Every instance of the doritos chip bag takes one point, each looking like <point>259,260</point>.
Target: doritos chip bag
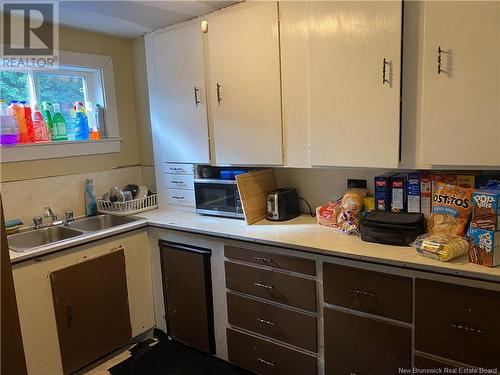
<point>451,208</point>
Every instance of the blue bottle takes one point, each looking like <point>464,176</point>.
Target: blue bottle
<point>82,131</point>
<point>90,201</point>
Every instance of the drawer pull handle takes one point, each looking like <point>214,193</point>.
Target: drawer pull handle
<point>466,328</point>
<point>267,363</point>
<point>175,182</point>
<point>262,259</point>
<point>265,286</point>
<point>178,198</point>
<point>268,322</point>
<point>362,292</point>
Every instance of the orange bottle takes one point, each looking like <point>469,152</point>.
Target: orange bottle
<point>18,113</point>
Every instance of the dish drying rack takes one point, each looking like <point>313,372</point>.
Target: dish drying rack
<point>130,207</point>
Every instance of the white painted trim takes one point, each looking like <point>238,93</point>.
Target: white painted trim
<point>37,151</point>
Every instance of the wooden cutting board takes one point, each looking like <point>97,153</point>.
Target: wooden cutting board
<point>253,188</point>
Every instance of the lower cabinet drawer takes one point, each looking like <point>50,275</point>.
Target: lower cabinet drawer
<point>361,345</point>
<point>275,286</point>
<point>180,197</point>
<point>267,358</point>
<point>279,323</point>
<point>369,291</point>
<point>458,322</point>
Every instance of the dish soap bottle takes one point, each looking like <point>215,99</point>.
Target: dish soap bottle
<point>59,125</point>
<point>90,201</point>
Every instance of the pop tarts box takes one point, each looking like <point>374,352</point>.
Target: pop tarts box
<point>484,247</point>
<point>486,210</point>
<point>383,191</point>
<point>413,192</point>
<point>398,193</point>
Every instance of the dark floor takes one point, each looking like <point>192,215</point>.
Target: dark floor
<point>169,357</point>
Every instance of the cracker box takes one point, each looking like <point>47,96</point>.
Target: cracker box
<point>484,247</point>
<point>485,210</point>
<point>425,194</point>
<point>398,193</point>
<point>383,191</point>
<point>413,191</point>
<point>466,180</point>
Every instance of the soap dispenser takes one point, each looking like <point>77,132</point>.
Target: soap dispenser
<point>90,201</point>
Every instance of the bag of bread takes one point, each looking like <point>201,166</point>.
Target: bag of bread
<point>328,213</point>
<point>441,246</point>
<point>353,199</point>
<point>451,209</point>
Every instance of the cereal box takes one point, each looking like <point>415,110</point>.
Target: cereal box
<point>413,190</point>
<point>425,194</point>
<point>466,180</point>
<point>398,193</point>
<point>383,192</point>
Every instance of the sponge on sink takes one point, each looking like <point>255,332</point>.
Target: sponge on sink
<point>13,223</point>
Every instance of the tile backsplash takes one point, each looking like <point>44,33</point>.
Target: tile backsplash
<point>26,198</point>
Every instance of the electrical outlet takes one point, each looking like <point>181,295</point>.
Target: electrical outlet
<point>354,183</point>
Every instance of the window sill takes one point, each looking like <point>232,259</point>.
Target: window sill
<point>36,151</point>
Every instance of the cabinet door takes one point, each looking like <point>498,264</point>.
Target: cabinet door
<point>188,295</point>
<point>91,308</point>
<point>461,104</point>
<point>360,345</point>
<point>177,100</point>
<point>244,74</point>
<point>354,110</point>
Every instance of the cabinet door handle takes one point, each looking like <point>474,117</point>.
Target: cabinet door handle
<point>196,101</point>
<point>175,182</point>
<point>466,328</point>
<point>267,363</point>
<point>268,322</point>
<point>265,286</point>
<point>360,292</point>
<point>440,51</point>
<point>218,93</point>
<point>69,313</point>
<point>262,259</point>
<point>386,63</point>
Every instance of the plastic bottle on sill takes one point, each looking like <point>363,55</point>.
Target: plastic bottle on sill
<point>42,133</point>
<point>9,132</point>
<point>58,125</point>
<point>81,125</point>
<point>18,112</point>
<point>99,119</point>
<point>29,122</point>
<point>48,117</point>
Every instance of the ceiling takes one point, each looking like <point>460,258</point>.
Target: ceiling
<point>131,18</point>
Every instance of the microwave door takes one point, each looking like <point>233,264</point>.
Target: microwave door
<point>215,197</point>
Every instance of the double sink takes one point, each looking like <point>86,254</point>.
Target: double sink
<point>34,238</point>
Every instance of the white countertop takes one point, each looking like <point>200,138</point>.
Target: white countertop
<point>303,233</point>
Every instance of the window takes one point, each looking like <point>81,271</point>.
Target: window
<point>81,78</point>
<point>14,86</point>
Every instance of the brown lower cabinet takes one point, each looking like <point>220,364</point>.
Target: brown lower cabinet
<point>361,345</point>
<point>425,363</point>
<point>91,309</point>
<point>267,358</point>
<point>458,322</point>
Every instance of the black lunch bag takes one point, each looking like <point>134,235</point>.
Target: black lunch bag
<point>392,228</point>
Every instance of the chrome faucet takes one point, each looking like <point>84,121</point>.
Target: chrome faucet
<point>49,214</point>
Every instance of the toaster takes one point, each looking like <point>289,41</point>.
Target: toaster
<point>282,204</point>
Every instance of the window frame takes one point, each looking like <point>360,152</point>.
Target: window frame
<point>110,144</point>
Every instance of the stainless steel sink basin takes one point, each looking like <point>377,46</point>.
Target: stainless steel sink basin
<point>95,223</point>
<point>27,240</point>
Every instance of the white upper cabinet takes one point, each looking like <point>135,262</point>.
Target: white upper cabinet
<point>354,82</point>
<point>243,70</point>
<point>177,94</point>
<point>461,84</point>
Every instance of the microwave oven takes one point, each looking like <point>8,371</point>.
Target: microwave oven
<point>218,197</point>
